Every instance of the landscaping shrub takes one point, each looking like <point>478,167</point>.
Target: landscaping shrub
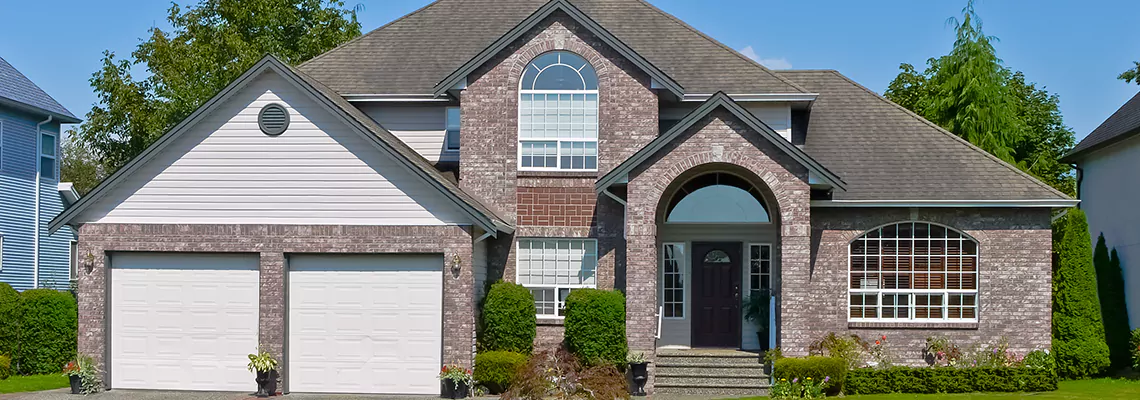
<point>1134,344</point>
<point>595,326</point>
<point>1113,309</point>
<point>816,367</point>
<point>9,319</point>
<point>496,369</point>
<point>5,367</point>
<point>560,375</point>
<point>848,348</point>
<point>950,380</point>
<point>508,319</point>
<point>1078,332</point>
<point>48,332</point>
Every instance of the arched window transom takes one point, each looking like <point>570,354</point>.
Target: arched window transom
<point>558,114</point>
<point>913,272</point>
<point>717,198</point>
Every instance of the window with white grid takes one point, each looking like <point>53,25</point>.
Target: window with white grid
<point>558,114</point>
<point>552,268</point>
<point>913,271</point>
<point>673,280</point>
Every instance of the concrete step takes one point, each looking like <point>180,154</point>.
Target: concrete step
<point>710,389</point>
<point>730,371</point>
<point>720,381</point>
<point>706,362</point>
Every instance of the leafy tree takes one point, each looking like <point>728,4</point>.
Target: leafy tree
<point>1113,308</point>
<point>79,165</point>
<point>1078,331</point>
<point>1132,75</point>
<point>210,45</point>
<point>1046,138</point>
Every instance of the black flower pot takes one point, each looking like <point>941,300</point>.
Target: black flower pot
<point>762,338</point>
<point>640,373</point>
<point>451,390</point>
<point>266,383</point>
<point>76,384</point>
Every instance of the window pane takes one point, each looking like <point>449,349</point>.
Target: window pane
<point>553,267</point>
<point>673,281</point>
<point>47,168</point>
<point>47,145</point>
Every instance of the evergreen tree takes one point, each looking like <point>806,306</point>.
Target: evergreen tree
<point>1078,331</point>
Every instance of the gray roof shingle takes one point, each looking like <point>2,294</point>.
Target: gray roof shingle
<point>885,152</point>
<point>1122,124</point>
<point>415,52</point>
<point>17,88</point>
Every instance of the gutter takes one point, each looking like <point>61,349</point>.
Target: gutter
<point>36,242</point>
<point>67,190</point>
<point>1046,203</point>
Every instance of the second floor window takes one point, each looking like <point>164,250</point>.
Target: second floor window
<point>558,114</point>
<point>47,156</point>
<point>451,140</point>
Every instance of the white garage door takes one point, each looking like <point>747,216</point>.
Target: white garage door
<point>365,323</point>
<point>183,321</point>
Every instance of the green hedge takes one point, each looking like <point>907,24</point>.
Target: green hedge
<point>1078,331</point>
<point>47,333</point>
<point>595,326</point>
<point>5,367</point>
<point>9,319</point>
<point>497,369</point>
<point>816,367</point>
<point>509,322</point>
<point>1134,344</point>
<point>950,380</point>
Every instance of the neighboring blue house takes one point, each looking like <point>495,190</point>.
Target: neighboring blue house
<point>30,191</point>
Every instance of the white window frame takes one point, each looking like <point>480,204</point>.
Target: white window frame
<point>54,158</point>
<point>447,128</point>
<point>1,252</point>
<point>558,141</point>
<point>945,293</point>
<point>748,265</point>
<point>682,269</point>
<point>73,260</point>
<point>559,303</point>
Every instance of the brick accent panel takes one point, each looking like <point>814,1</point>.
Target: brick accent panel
<point>273,243</point>
<point>719,142</point>
<point>556,206</point>
<point>1014,280</point>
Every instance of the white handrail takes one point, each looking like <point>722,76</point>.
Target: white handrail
<point>660,313</point>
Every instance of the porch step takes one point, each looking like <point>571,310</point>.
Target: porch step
<point>710,372</point>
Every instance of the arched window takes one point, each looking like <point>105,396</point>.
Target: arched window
<point>558,114</point>
<point>717,198</point>
<point>913,271</point>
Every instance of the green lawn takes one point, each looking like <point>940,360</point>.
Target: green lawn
<point>1094,389</point>
<point>16,383</point>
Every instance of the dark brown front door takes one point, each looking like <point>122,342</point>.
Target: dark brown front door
<point>716,294</point>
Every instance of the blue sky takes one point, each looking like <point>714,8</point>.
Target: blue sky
<point>1073,48</point>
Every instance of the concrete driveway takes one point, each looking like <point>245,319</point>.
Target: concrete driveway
<point>65,394</point>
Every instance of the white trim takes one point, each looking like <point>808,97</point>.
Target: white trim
<point>682,268</point>
<point>1,251</point>
<point>1051,203</point>
<point>756,97</point>
<point>557,288</point>
<point>72,261</point>
<point>67,189</point>
<point>396,98</point>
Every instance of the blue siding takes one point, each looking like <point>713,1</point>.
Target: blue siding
<point>17,207</point>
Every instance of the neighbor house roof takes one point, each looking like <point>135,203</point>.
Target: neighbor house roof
<point>483,216</point>
<point>18,91</point>
<point>414,54</point>
<point>885,152</point>
<point>1122,124</point>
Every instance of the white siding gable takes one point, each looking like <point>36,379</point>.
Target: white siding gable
<point>422,127</point>
<point>320,172</point>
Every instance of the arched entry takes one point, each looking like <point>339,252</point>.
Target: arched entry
<point>718,230</point>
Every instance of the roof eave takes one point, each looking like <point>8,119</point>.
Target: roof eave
<point>1032,203</point>
<point>1077,154</point>
<point>62,118</point>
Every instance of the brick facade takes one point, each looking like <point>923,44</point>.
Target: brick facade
<point>273,243</point>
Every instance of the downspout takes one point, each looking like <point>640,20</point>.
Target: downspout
<point>36,244</point>
<point>1080,177</point>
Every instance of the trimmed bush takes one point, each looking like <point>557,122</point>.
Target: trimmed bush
<point>1078,332</point>
<point>1134,345</point>
<point>509,322</point>
<point>5,367</point>
<point>9,319</point>
<point>595,326</point>
<point>48,332</point>
<point>815,367</point>
<point>950,380</point>
<point>497,369</point>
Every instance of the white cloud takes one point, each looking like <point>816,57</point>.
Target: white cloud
<point>773,63</point>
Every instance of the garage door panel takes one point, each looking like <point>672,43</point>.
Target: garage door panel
<point>183,321</point>
<point>365,324</point>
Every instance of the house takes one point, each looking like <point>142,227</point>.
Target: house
<point>30,191</point>
<point>346,214</point>
<point>1108,186</point>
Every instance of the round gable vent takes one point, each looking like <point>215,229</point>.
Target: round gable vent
<point>273,119</point>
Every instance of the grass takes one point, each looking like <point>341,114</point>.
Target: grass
<point>1092,389</point>
<point>32,383</point>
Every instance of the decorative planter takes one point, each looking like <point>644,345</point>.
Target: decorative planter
<point>266,383</point>
<point>76,384</point>
<point>640,373</point>
<point>453,391</point>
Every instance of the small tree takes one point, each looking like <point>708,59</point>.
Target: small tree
<point>509,321</point>
<point>1078,331</point>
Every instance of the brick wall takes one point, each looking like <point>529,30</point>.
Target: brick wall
<point>557,206</point>
<point>1014,280</point>
<point>273,243</point>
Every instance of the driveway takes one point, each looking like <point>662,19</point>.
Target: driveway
<point>120,394</point>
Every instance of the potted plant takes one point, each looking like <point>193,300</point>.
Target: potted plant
<point>265,366</point>
<point>770,357</point>
<point>456,381</point>
<point>756,311</point>
<point>83,375</point>
<point>71,370</point>
<point>638,368</point>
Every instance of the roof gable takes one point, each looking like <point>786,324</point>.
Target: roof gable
<point>719,100</point>
<point>1122,124</point>
<point>383,141</point>
<point>413,53</point>
<point>19,91</point>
